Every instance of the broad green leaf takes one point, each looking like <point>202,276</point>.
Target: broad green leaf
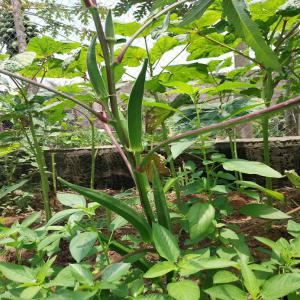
<point>236,12</point>
<point>181,87</point>
<point>160,269</point>
<point>270,193</point>
<point>229,86</point>
<point>72,200</point>
<point>70,295</point>
<point>61,215</point>
<point>163,45</point>
<point>134,56</point>
<point>184,290</point>
<point>186,72</point>
<point>293,177</point>
<point>193,265</point>
<point>179,147</point>
<point>117,223</point>
<point>4,150</point>
<point>46,46</point>
<point>162,211</point>
<point>31,219</point>
<point>63,278</point>
<point>135,111</point>
<point>127,29</point>
<point>18,62</point>
<point>17,273</point>
<point>81,274</point>
<point>281,285</point>
<point>293,228</point>
<point>115,272</point>
<point>224,277</point>
<point>94,73</point>
<point>263,211</point>
<point>196,12</point>
<point>250,167</point>
<point>227,292</point>
<point>81,245</point>
<point>200,217</point>
<point>267,242</point>
<point>115,205</point>
<point>30,292</point>
<point>6,190</point>
<point>165,243</point>
<point>249,279</point>
<point>49,239</point>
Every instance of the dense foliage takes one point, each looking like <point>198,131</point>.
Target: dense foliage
<point>170,237</point>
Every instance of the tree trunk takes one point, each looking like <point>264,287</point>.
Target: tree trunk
<point>19,26</point>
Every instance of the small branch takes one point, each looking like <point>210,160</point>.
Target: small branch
<point>223,125</point>
<point>230,48</point>
<point>98,115</point>
<point>148,23</point>
<point>179,53</point>
<point>119,148</point>
<point>288,35</point>
<point>142,250</point>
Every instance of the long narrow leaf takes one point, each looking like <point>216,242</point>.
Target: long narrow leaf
<point>162,211</point>
<point>196,12</point>
<point>135,111</point>
<point>116,206</point>
<point>94,73</point>
<point>237,14</point>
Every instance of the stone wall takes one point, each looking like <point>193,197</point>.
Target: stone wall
<point>74,164</point>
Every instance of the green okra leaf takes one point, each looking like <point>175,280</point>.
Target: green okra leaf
<point>135,111</point>
<point>115,205</point>
<point>248,30</point>
<point>95,75</point>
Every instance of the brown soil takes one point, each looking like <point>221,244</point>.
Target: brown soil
<point>251,227</point>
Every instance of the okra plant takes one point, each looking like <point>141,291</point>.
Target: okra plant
<point>182,249</point>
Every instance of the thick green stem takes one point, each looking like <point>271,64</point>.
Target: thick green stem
<point>93,156</point>
<point>267,161</point>
<point>53,164</point>
<point>109,67</point>
<point>143,187</point>
<point>40,159</point>
<point>267,94</point>
<point>165,136</point>
<point>172,168</point>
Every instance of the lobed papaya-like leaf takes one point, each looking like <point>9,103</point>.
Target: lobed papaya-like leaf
<point>115,205</point>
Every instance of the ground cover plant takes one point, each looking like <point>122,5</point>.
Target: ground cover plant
<point>170,238</point>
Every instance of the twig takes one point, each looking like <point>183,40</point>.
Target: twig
<point>148,23</point>
<point>13,75</point>
<point>222,125</point>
